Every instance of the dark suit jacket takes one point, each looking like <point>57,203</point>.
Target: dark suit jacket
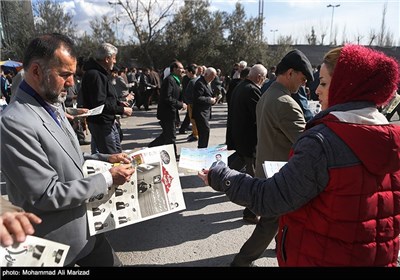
<point>232,84</point>
<point>202,95</point>
<point>168,102</point>
<point>241,128</point>
<point>217,163</point>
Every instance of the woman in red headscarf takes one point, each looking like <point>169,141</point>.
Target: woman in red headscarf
<point>338,197</point>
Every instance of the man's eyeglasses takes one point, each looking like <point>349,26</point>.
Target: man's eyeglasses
<point>303,77</point>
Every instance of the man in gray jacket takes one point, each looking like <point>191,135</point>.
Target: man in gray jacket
<point>41,158</point>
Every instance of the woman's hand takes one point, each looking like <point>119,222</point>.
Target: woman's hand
<point>203,174</point>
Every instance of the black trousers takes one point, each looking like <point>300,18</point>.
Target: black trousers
<point>167,136</point>
<point>102,255</point>
<point>203,127</point>
<point>147,98</point>
<point>245,164</point>
<point>185,123</point>
<point>105,138</point>
<point>254,247</point>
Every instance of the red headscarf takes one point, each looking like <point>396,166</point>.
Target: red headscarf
<point>363,74</point>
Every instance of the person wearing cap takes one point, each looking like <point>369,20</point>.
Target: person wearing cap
<point>337,197</point>
<point>280,120</point>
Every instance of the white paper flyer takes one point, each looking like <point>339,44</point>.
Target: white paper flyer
<point>315,107</point>
<point>271,167</point>
<point>80,112</point>
<point>34,251</point>
<point>198,159</point>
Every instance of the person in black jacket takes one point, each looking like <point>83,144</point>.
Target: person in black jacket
<point>168,106</point>
<point>242,125</point>
<point>202,101</point>
<point>146,88</point>
<point>97,90</point>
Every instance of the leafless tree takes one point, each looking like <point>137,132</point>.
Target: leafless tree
<point>382,34</point>
<point>311,38</point>
<point>358,38</point>
<point>372,37</point>
<point>149,19</point>
<point>388,40</point>
<point>335,34</point>
<point>322,30</point>
<point>323,35</point>
<point>344,36</point>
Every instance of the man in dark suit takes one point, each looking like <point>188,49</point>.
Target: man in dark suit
<point>202,101</point>
<point>242,125</point>
<point>218,161</point>
<point>168,106</point>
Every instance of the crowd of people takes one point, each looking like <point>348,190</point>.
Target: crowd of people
<point>338,190</point>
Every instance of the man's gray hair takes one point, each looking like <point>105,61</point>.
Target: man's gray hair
<point>105,50</point>
<point>210,70</point>
<point>243,64</point>
<point>258,69</point>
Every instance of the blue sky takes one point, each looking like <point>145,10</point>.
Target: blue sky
<point>290,18</point>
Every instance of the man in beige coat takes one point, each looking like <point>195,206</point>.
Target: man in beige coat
<point>280,121</point>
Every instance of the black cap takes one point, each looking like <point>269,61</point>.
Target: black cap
<point>298,61</point>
